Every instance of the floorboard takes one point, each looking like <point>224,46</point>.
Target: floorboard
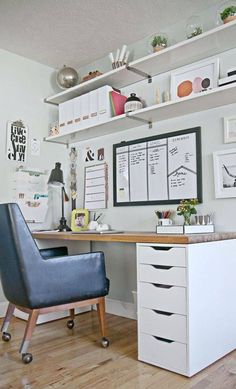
<point>74,359</point>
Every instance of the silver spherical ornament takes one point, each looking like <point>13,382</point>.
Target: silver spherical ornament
<point>67,77</point>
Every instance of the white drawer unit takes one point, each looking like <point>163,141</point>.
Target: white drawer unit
<point>163,298</point>
<point>163,274</point>
<point>163,352</point>
<point>162,255</point>
<point>164,325</point>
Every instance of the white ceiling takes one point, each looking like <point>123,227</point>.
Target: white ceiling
<point>77,32</point>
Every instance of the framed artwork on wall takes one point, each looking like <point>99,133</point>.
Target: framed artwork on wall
<point>225,173</point>
<point>193,79</point>
<point>230,129</point>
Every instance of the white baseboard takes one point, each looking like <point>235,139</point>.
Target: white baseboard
<point>121,308</point>
<point>115,307</point>
<point>3,308</point>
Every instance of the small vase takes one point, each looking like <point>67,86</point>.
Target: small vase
<point>186,220</point>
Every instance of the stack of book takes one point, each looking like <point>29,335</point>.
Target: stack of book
<point>185,229</point>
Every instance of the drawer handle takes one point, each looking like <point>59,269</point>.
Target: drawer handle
<point>163,286</point>
<point>162,267</point>
<point>163,339</point>
<point>161,248</point>
<point>162,312</point>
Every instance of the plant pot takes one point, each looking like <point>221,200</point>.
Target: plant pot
<point>158,48</point>
<point>229,19</point>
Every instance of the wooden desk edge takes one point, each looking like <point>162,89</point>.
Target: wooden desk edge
<point>136,237</point>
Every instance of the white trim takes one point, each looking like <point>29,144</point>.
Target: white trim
<point>3,308</point>
<point>121,308</point>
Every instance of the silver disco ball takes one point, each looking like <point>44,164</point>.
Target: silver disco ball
<point>67,77</point>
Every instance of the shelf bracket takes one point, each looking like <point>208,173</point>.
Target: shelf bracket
<point>54,141</point>
<point>140,73</point>
<point>140,120</point>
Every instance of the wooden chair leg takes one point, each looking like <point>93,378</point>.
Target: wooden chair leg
<point>101,315</point>
<point>31,323</point>
<point>72,314</point>
<point>8,317</point>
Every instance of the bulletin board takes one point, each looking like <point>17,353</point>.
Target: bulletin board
<point>162,169</point>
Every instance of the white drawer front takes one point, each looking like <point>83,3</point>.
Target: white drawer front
<point>160,274</point>
<point>173,327</point>
<point>157,255</point>
<point>158,352</point>
<point>172,299</point>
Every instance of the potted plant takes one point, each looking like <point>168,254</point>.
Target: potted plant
<point>159,42</point>
<point>187,209</point>
<point>228,14</point>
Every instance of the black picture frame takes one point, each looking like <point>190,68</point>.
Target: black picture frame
<point>196,130</point>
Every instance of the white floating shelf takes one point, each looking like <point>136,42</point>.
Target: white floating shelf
<point>203,101</point>
<point>207,100</point>
<point>116,124</point>
<point>209,43</point>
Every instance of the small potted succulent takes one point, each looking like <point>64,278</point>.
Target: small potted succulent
<point>159,42</point>
<point>186,208</point>
<point>228,14</point>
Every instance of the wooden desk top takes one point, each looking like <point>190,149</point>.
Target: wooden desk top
<point>135,237</point>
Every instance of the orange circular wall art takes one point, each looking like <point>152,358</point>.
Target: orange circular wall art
<point>185,88</point>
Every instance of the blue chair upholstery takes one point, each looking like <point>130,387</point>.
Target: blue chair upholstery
<point>34,280</point>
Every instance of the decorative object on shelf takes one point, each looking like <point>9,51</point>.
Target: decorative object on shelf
<point>117,101</point>
<point>225,173</point>
<point>230,129</point>
<point>120,59</point>
<point>166,96</point>
<point>159,42</point>
<point>228,11</point>
<point>193,27</point>
<point>187,209</point>
<point>17,141</point>
<point>193,79</point>
<point>54,129</point>
<point>56,179</point>
<point>67,77</point>
<point>79,220</point>
<point>73,176</point>
<point>202,220</point>
<point>91,75</point>
<point>133,103</point>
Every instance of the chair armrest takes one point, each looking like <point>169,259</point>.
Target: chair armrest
<point>54,252</point>
<point>60,280</point>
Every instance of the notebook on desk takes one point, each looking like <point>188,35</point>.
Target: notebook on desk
<point>98,232</point>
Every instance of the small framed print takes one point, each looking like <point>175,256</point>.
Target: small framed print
<point>191,80</point>
<point>225,173</point>
<point>230,130</point>
<point>79,220</point>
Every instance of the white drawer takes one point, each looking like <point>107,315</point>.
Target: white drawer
<point>170,326</point>
<point>161,274</point>
<point>162,255</point>
<point>158,352</point>
<point>167,299</point>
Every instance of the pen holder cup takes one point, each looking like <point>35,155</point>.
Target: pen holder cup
<point>164,222</point>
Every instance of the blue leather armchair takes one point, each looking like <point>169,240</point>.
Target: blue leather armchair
<point>38,282</point>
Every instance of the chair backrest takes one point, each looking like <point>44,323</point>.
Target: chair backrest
<point>19,254</point>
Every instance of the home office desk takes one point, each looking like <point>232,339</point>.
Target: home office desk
<point>186,295</point>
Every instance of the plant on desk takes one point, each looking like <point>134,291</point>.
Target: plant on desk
<point>186,208</point>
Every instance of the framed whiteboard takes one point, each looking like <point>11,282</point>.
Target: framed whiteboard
<point>162,169</point>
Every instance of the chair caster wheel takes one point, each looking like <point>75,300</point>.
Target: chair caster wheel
<point>105,342</point>
<point>27,358</point>
<point>6,337</point>
<point>70,324</point>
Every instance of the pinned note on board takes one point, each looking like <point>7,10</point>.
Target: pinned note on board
<point>96,187</point>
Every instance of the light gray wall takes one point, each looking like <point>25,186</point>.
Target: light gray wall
<point>24,85</point>
<point>120,258</point>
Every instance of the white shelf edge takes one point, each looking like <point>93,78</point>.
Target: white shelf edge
<point>144,112</point>
<point>130,77</point>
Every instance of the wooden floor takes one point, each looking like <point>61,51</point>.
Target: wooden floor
<point>74,359</point>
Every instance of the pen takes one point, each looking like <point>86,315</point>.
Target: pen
<point>98,217</point>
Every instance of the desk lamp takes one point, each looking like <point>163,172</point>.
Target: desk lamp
<point>56,178</point>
